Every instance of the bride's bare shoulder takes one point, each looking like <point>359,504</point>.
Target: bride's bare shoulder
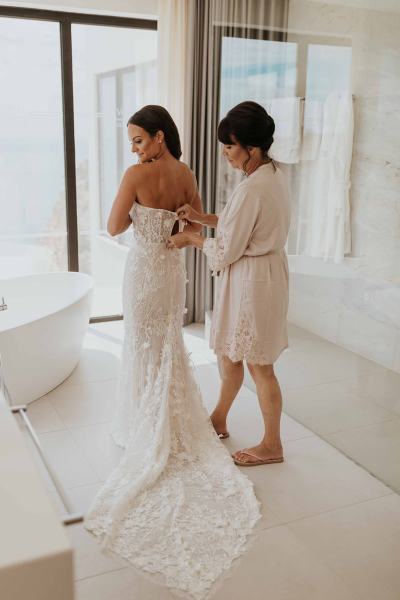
<point>134,172</point>
<point>188,174</point>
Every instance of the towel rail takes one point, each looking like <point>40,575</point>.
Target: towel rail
<point>71,516</point>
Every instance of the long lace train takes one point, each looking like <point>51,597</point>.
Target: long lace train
<point>176,504</point>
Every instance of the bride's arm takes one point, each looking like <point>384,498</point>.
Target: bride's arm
<point>119,219</point>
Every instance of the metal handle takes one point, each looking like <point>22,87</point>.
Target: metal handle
<point>71,516</point>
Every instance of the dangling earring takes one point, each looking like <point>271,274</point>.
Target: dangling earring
<point>244,165</point>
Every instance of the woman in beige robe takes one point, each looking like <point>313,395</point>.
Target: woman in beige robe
<point>248,256</point>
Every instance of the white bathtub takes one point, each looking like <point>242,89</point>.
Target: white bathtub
<point>42,330</point>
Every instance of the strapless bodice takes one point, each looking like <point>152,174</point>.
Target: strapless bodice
<point>151,225</point>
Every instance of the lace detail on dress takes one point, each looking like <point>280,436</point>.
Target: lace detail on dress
<point>175,505</point>
<point>151,225</point>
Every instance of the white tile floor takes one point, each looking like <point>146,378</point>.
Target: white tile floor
<point>330,529</point>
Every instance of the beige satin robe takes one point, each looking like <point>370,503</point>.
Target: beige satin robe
<point>249,317</point>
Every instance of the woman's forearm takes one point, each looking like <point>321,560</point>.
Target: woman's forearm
<point>193,227</point>
<point>208,220</point>
<point>195,239</point>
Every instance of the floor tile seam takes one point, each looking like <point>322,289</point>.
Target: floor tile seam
<point>348,585</point>
<point>69,427</point>
<point>364,468</point>
<point>62,419</point>
<point>67,384</point>
<point>349,429</point>
<point>78,579</point>
<point>384,407</point>
<point>355,394</point>
<point>82,485</point>
<point>317,556</point>
<point>325,512</point>
<point>89,461</point>
<point>374,365</point>
<point>341,451</point>
<point>320,436</point>
<point>53,403</point>
<point>83,382</point>
<point>113,339</point>
<point>397,418</point>
<point>302,437</point>
<point>39,432</point>
<point>343,380</point>
<point>79,452</point>
<point>309,385</point>
<point>312,433</point>
<point>45,477</point>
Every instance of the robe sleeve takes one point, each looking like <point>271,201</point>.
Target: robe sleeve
<point>234,235</point>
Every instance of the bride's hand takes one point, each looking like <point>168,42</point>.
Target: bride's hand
<point>187,213</point>
<point>179,240</point>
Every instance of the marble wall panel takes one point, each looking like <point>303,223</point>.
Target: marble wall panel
<point>363,314</point>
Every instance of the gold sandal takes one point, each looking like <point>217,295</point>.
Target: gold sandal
<point>255,463</point>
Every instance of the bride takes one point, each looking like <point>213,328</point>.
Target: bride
<point>176,505</point>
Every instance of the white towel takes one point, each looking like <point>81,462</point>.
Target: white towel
<point>324,183</point>
<point>287,114</point>
<point>312,129</point>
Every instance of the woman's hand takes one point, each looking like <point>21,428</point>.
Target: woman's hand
<point>179,240</point>
<point>188,214</point>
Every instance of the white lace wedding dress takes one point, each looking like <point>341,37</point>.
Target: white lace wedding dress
<point>176,505</point>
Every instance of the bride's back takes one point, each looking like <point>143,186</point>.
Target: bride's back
<point>165,184</point>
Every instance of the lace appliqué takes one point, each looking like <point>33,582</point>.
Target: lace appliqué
<point>151,225</point>
<point>214,249</point>
<point>244,342</point>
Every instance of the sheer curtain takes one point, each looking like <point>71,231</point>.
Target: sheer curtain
<point>173,59</point>
<point>217,31</point>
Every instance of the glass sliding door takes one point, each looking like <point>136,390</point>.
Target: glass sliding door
<point>33,235</point>
<point>69,82</point>
<point>114,74</point>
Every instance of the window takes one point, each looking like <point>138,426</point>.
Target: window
<point>33,233</point>
<point>63,147</point>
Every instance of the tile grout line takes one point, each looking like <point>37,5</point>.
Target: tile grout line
<point>344,453</point>
<point>100,574</point>
<point>331,510</point>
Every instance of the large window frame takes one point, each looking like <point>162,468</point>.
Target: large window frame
<point>65,21</point>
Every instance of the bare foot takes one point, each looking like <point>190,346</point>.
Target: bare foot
<point>219,425</point>
<point>260,452</point>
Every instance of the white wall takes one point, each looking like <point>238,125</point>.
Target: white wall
<point>362,312</point>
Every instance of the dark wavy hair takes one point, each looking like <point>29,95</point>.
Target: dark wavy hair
<point>248,124</point>
<point>153,118</point>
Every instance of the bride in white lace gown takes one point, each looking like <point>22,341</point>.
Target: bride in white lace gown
<point>175,505</point>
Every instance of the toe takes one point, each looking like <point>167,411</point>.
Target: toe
<point>241,456</point>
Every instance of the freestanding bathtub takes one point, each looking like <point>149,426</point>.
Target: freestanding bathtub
<point>42,330</point>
